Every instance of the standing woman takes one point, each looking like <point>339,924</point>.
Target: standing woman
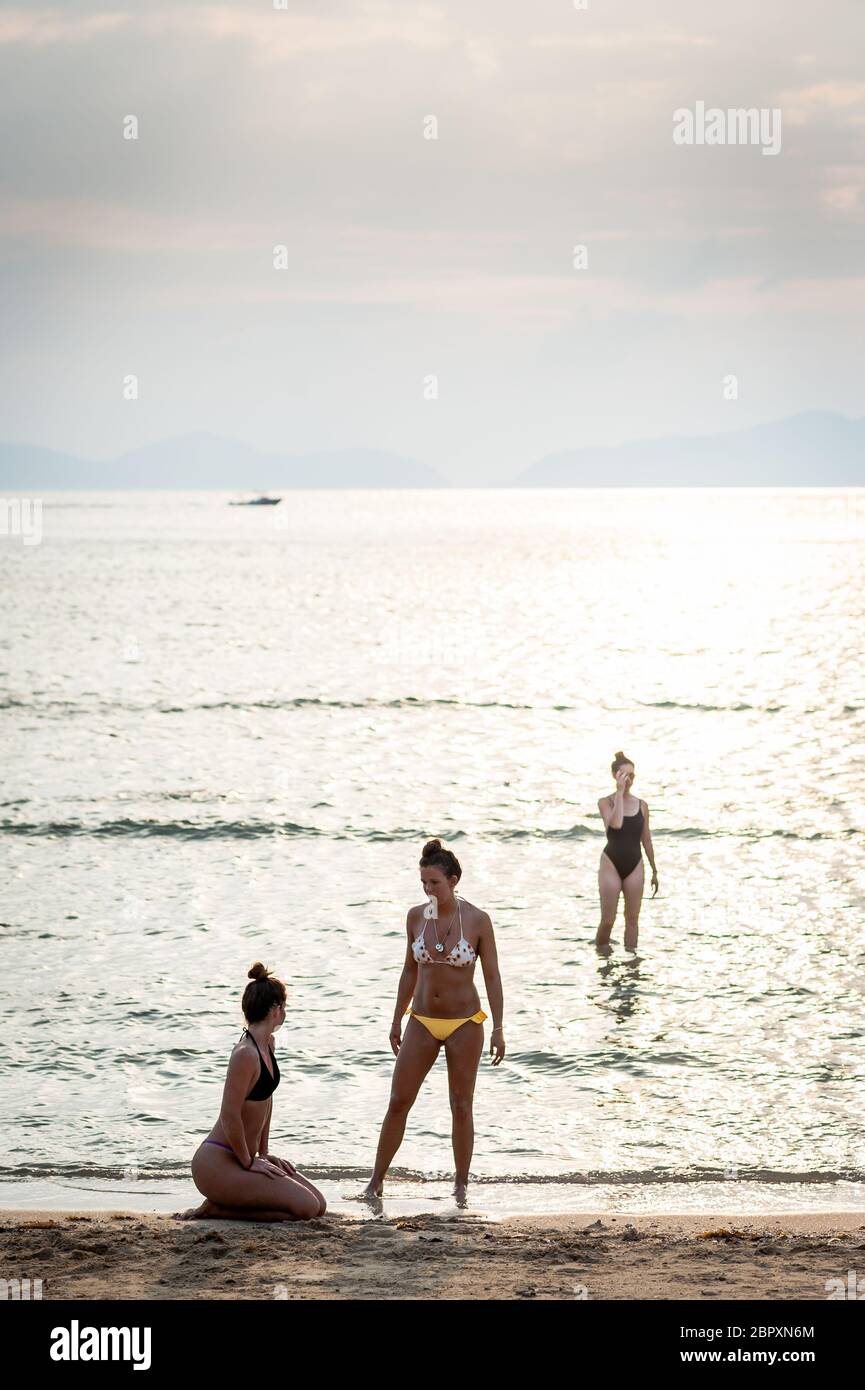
<point>443,942</point>
<point>232,1168</point>
<point>626,821</point>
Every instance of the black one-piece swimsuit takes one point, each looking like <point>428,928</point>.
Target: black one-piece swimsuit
<point>623,845</point>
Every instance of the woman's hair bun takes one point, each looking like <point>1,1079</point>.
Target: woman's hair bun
<point>436,856</point>
<point>620,754</point>
<point>263,991</point>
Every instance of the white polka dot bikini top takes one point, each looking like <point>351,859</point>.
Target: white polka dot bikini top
<point>462,953</point>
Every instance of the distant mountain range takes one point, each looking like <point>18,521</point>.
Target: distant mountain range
<point>817,448</point>
<point>812,449</point>
<point>209,461</point>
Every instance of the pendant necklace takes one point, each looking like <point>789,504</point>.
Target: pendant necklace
<point>440,945</point>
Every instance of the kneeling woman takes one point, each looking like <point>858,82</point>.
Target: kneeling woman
<point>437,976</point>
<point>232,1168</point>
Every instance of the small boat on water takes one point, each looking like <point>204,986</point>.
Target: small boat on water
<point>258,502</point>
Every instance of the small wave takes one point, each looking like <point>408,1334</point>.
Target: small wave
<point>586,1064</point>
<point>690,832</point>
<point>34,707</point>
<point>256,830</point>
<point>298,702</point>
<point>711,709</point>
<point>260,830</point>
<point>181,830</point>
<point>573,832</point>
<point>167,1169</point>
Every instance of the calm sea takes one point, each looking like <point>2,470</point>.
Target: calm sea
<point>228,732</point>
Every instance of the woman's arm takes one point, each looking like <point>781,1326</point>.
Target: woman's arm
<point>646,836</point>
<point>493,981</point>
<point>490,966</point>
<point>281,1163</point>
<point>264,1137</point>
<point>404,992</point>
<point>646,839</point>
<point>612,812</point>
<point>405,988</point>
<point>242,1070</point>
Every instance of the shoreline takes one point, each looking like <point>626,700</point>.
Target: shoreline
<point>493,1200</point>
<point>119,1255</point>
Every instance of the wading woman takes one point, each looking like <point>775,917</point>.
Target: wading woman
<point>444,940</point>
<point>232,1168</point>
<point>626,821</point>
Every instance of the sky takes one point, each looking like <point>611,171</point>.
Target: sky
<point>429,302</point>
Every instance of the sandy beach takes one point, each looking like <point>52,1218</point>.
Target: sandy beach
<point>127,1255</point>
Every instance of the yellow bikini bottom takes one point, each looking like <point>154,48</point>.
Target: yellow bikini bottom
<point>442,1028</point>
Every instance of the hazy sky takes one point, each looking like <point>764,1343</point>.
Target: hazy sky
<point>411,257</point>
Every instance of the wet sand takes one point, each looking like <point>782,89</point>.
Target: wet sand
<point>123,1255</point>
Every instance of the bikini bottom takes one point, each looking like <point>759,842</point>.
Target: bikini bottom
<point>442,1028</point>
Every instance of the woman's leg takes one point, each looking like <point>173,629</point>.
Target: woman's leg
<point>463,1052</point>
<point>233,1192</point>
<point>305,1182</point>
<point>209,1211</point>
<point>418,1050</point>
<point>632,888</point>
<point>610,886</point>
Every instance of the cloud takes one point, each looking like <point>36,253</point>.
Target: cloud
<point>276,35</point>
<point>101,225</point>
<point>46,26</point>
<point>846,193</point>
<point>837,102</point>
<point>642,39</point>
<point>305,127</point>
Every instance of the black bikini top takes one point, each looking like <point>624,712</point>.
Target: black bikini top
<point>266,1084</point>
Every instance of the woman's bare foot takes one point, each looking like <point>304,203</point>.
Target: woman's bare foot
<point>461,1193</point>
<point>196,1213</point>
<point>372,1196</point>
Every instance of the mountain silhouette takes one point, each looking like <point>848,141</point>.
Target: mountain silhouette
<point>813,449</point>
<point>210,461</point>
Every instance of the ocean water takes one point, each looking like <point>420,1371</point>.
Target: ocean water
<point>228,732</point>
